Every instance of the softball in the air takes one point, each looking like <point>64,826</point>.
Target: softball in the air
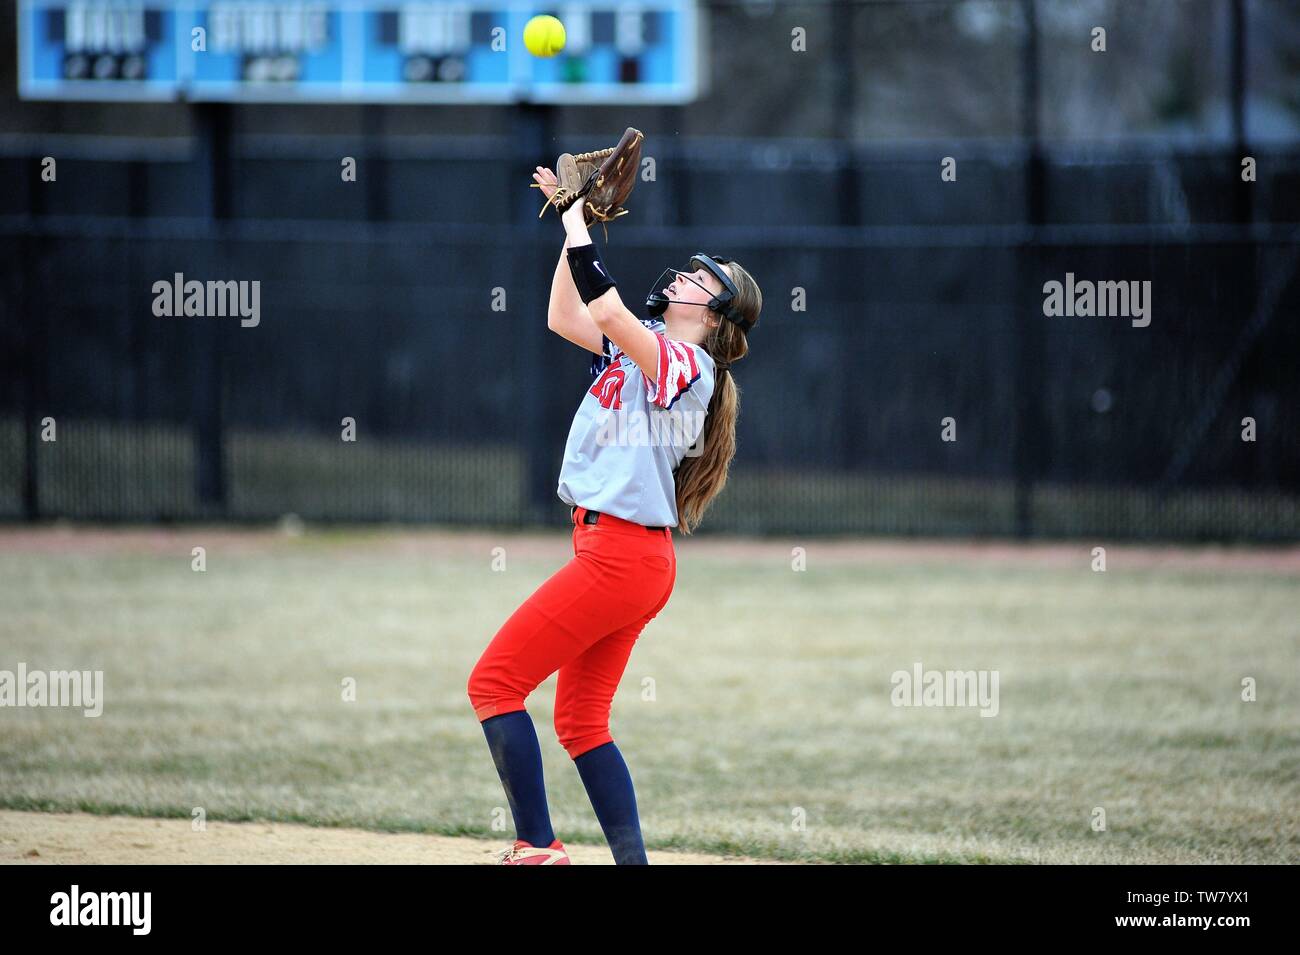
<point>544,36</point>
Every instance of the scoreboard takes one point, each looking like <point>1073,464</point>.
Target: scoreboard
<point>378,51</point>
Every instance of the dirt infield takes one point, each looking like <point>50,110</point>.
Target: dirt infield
<point>447,542</point>
<point>84,839</point>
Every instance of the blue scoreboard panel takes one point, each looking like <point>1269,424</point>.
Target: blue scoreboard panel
<point>97,51</point>
<point>379,51</point>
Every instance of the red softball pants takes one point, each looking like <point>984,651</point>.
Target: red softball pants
<point>582,621</point>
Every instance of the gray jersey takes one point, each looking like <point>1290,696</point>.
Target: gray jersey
<point>634,427</point>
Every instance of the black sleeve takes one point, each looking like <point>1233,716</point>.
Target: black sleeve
<point>600,362</point>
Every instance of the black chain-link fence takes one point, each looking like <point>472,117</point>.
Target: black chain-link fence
<point>902,379</point>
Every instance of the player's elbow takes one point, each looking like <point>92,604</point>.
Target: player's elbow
<point>557,319</point>
<point>605,311</point>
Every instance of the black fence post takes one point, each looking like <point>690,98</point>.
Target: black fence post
<point>1244,208</point>
<point>375,179</point>
<point>852,352</point>
<point>533,128</point>
<point>679,176</point>
<point>1027,344</point>
<point>213,125</point>
<point>33,314</point>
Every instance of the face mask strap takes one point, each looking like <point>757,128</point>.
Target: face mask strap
<point>724,303</point>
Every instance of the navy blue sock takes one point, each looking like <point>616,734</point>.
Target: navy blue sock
<point>609,785</point>
<point>518,757</point>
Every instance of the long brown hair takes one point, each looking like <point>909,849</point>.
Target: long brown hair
<point>702,477</point>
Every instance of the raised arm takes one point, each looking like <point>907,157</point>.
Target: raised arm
<point>608,313</point>
<point>566,315</point>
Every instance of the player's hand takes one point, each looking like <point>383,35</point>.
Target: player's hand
<point>547,180</point>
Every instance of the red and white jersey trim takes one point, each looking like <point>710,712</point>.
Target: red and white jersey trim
<point>677,371</point>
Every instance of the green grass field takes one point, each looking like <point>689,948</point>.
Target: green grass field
<point>770,701</point>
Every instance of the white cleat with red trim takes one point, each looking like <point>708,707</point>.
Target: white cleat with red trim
<point>525,853</point>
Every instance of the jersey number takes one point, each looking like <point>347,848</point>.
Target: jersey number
<point>608,388</point>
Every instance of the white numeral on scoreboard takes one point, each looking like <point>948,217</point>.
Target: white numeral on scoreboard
<point>425,28</point>
<point>113,26</point>
<point>256,28</point>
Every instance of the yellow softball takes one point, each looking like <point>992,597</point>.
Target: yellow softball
<point>544,36</point>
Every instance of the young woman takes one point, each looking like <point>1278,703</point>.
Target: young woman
<point>649,448</point>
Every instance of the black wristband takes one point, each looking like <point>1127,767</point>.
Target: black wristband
<point>589,274</point>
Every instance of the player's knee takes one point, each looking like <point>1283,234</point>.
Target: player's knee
<point>476,687</point>
<point>565,730</point>
<point>577,740</point>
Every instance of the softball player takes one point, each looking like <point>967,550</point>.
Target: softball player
<point>649,448</point>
